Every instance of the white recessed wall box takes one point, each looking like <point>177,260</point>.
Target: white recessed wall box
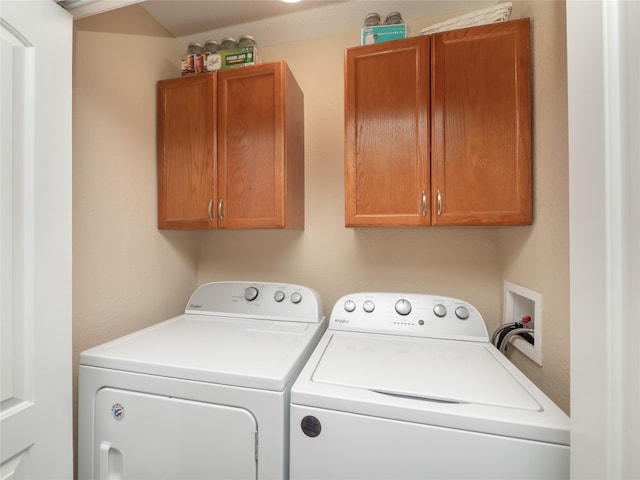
<point>520,303</point>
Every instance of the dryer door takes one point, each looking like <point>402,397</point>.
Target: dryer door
<point>144,436</point>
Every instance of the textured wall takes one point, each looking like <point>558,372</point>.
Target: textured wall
<point>127,274</point>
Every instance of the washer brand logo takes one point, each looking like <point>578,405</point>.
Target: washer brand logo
<point>195,306</point>
<point>341,320</point>
<point>117,411</point>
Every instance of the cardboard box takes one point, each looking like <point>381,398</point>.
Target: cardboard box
<point>383,33</point>
<point>221,60</point>
<point>237,57</point>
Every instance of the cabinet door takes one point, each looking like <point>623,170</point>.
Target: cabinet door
<point>481,121</point>
<point>259,142</point>
<point>186,152</point>
<point>386,134</point>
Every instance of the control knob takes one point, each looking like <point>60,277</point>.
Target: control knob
<point>250,294</point>
<point>403,307</point>
<point>296,297</point>
<point>349,306</point>
<point>278,296</point>
<point>440,310</point>
<point>368,306</point>
<point>462,312</point>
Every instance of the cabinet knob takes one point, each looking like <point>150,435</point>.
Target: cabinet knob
<point>424,203</point>
<point>210,210</point>
<point>439,203</point>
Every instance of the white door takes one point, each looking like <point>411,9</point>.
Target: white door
<point>153,437</point>
<point>35,241</point>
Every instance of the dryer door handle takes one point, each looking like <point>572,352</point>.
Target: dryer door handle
<point>110,467</point>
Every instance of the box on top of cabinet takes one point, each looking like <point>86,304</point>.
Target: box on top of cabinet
<point>236,57</point>
<point>220,60</point>
<point>383,33</point>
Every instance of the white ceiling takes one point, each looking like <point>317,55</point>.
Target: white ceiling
<point>272,22</point>
<point>186,17</point>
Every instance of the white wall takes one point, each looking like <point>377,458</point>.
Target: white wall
<point>538,257</point>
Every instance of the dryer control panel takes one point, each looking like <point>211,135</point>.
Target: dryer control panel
<point>417,315</point>
<point>269,301</point>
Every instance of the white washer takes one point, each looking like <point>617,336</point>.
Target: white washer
<point>202,395</point>
<point>407,387</point>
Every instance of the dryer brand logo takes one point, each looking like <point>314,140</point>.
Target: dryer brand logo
<point>195,306</point>
<point>117,411</point>
<point>341,321</point>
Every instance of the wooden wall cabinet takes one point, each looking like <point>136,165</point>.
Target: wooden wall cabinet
<point>231,150</point>
<point>438,129</point>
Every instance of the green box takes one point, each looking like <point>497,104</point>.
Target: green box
<point>233,58</point>
<point>239,57</point>
<point>383,33</point>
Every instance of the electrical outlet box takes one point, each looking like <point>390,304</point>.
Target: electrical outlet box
<point>520,302</point>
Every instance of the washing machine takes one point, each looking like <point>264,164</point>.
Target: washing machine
<point>204,395</point>
<point>407,387</point>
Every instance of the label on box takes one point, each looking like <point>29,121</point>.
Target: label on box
<point>239,57</point>
<point>193,64</point>
<point>383,33</point>
<point>213,62</point>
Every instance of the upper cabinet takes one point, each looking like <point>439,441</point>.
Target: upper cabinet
<point>438,129</point>
<point>231,150</point>
<point>387,133</point>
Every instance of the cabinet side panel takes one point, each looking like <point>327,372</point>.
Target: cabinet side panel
<point>386,133</point>
<point>186,151</point>
<point>294,154</point>
<point>481,155</point>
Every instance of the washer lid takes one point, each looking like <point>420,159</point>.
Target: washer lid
<point>430,369</point>
<point>253,353</point>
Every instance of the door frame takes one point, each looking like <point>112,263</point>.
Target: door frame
<point>603,60</point>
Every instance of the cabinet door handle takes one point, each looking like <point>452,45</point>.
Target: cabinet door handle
<point>439,203</point>
<point>424,203</point>
<point>210,210</point>
<point>220,210</point>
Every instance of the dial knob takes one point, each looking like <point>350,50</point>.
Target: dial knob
<point>368,306</point>
<point>440,310</point>
<point>403,307</point>
<point>349,306</point>
<point>250,294</point>
<point>278,296</point>
<point>296,297</point>
<point>462,313</point>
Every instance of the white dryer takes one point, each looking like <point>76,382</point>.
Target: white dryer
<point>408,387</point>
<point>204,395</point>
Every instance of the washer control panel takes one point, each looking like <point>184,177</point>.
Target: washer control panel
<point>417,315</point>
<point>271,301</point>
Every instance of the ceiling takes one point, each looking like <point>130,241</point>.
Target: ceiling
<point>186,17</point>
<point>273,22</point>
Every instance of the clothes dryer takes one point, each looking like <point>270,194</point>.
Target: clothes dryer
<point>202,395</point>
<point>407,387</point>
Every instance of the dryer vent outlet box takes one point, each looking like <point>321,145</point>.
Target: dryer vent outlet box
<point>520,302</point>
